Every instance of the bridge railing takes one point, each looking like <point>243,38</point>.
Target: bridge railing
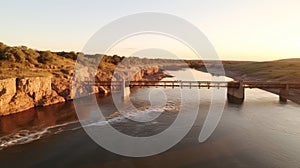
<point>199,84</point>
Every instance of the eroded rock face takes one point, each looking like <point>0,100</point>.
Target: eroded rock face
<point>18,94</point>
<point>51,98</point>
<point>34,87</point>
<point>7,92</point>
<point>21,101</point>
<point>63,87</point>
<point>135,73</point>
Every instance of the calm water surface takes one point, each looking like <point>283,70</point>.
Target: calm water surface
<point>260,133</point>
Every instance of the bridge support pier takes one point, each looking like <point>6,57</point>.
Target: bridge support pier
<point>125,90</point>
<point>283,93</point>
<point>235,95</point>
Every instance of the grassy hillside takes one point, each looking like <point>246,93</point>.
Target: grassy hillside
<point>281,70</point>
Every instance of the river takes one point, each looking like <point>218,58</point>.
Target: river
<point>259,133</point>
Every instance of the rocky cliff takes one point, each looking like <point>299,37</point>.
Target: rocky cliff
<point>19,94</point>
<point>138,73</point>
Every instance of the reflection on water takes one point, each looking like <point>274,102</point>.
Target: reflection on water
<point>32,124</point>
<point>38,118</point>
<point>260,133</point>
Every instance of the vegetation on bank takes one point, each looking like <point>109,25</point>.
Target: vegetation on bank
<point>21,61</point>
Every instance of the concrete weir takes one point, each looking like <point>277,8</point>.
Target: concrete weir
<point>125,90</point>
<point>283,94</point>
<point>235,92</point>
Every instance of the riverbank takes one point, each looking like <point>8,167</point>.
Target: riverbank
<point>20,94</point>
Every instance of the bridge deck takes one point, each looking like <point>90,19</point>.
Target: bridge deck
<point>201,84</point>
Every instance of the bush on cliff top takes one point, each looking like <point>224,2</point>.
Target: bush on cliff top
<point>46,57</point>
<point>22,61</point>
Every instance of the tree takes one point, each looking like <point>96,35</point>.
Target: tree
<point>2,47</point>
<point>116,59</point>
<point>19,55</point>
<point>45,57</point>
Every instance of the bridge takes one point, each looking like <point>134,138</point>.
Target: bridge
<point>235,89</point>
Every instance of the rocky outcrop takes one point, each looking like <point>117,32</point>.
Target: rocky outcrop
<point>7,92</point>
<point>18,94</point>
<point>144,73</point>
<point>69,89</point>
<point>139,73</point>
<point>63,87</point>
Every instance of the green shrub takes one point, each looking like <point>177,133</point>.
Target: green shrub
<point>8,56</point>
<point>19,55</point>
<point>45,57</point>
<point>13,54</point>
<point>71,55</point>
<point>2,47</point>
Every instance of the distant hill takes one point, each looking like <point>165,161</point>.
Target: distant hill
<point>280,70</point>
<point>289,60</point>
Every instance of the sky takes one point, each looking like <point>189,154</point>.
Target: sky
<point>238,29</point>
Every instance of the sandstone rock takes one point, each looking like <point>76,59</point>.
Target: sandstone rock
<point>95,89</point>
<point>63,87</point>
<point>103,90</point>
<point>24,93</point>
<point>7,92</point>
<point>35,87</point>
<point>20,102</point>
<point>52,98</point>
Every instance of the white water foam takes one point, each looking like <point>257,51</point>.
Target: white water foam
<point>134,115</point>
<point>27,136</point>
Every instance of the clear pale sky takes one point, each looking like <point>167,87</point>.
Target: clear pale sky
<point>238,29</point>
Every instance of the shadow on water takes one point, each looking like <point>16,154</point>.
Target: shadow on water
<point>39,117</point>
